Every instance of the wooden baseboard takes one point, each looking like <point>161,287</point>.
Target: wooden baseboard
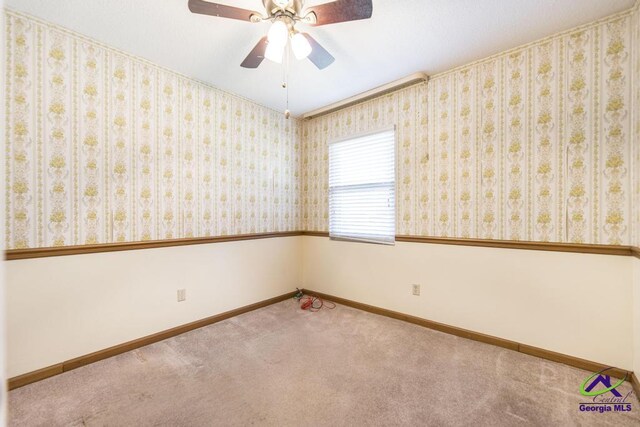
<point>68,365</point>
<point>635,383</point>
<point>576,362</point>
<point>453,330</point>
<point>31,377</point>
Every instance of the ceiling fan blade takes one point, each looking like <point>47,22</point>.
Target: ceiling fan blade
<point>342,11</point>
<point>256,56</point>
<point>319,55</point>
<point>221,10</point>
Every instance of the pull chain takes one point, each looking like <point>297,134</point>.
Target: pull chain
<point>285,82</point>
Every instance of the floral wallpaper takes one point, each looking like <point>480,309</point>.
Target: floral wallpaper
<point>105,147</point>
<point>532,144</point>
<point>539,143</point>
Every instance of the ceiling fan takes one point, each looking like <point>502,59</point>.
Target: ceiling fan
<point>284,15</point>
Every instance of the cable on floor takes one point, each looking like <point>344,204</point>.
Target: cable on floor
<point>312,303</point>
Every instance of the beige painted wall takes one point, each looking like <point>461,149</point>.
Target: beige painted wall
<point>576,304</point>
<point>63,307</point>
<point>636,316</point>
<point>635,171</point>
<point>2,262</point>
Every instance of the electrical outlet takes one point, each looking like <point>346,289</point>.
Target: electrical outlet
<point>182,295</point>
<point>416,290</point>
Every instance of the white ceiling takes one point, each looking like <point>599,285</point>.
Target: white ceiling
<point>403,37</point>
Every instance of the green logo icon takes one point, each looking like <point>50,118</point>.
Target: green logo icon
<point>605,380</point>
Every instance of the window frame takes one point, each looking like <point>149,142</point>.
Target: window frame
<point>350,137</point>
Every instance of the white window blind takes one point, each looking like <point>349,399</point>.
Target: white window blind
<point>362,188</point>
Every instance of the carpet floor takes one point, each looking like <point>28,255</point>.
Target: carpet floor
<point>282,366</point>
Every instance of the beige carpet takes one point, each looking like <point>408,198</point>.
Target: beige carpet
<point>282,366</point>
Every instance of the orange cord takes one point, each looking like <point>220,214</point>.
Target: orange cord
<point>314,304</point>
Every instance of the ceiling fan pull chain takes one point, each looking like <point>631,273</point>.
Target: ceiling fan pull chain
<point>285,84</point>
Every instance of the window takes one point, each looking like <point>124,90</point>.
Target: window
<point>362,188</point>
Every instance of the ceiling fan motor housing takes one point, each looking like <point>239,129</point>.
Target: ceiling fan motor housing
<point>292,6</point>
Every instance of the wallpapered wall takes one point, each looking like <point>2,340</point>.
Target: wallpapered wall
<point>532,144</point>
<point>105,147</point>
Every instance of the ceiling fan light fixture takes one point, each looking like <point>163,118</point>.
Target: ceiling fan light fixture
<point>274,52</point>
<point>278,33</point>
<point>284,15</point>
<point>300,45</point>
